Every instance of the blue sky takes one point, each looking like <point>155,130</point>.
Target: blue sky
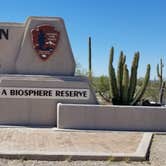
<point>128,25</point>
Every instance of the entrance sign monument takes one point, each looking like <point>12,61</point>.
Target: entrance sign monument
<point>37,71</point>
<point>38,86</point>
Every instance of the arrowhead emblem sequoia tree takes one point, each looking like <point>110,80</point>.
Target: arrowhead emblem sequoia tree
<point>45,39</point>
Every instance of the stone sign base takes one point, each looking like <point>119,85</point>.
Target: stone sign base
<point>32,100</point>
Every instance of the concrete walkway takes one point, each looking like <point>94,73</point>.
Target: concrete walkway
<point>47,140</point>
<point>49,144</point>
<point>157,158</point>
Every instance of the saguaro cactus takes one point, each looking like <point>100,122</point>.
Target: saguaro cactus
<point>133,77</point>
<point>122,60</point>
<point>112,79</point>
<point>123,88</point>
<point>125,84</point>
<point>141,91</point>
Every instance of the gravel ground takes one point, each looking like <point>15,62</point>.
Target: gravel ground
<point>157,158</point>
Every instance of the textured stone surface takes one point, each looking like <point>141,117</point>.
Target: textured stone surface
<point>60,63</point>
<point>17,54</point>
<point>30,112</point>
<point>9,48</point>
<point>135,118</point>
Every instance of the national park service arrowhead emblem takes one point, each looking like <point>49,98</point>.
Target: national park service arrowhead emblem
<point>45,39</point>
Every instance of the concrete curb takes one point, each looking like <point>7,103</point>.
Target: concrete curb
<point>144,145</point>
<point>139,155</point>
<point>71,156</point>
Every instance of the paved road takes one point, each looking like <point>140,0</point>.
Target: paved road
<point>157,158</point>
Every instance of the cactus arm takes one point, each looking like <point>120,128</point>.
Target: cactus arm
<point>112,79</point>
<point>125,84</point>
<point>141,91</point>
<point>120,74</point>
<point>161,94</point>
<point>159,75</point>
<point>124,59</point>
<point>160,72</point>
<point>133,77</point>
